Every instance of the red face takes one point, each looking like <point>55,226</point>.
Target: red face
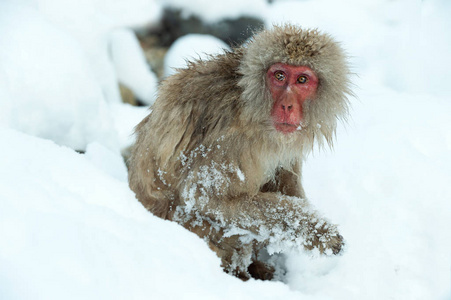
<point>290,87</point>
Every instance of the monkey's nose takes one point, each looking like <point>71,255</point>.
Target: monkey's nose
<point>287,108</point>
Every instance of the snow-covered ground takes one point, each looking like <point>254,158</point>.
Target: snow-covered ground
<point>70,228</point>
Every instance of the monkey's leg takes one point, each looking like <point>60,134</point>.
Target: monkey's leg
<point>287,182</point>
<point>261,270</point>
<point>235,255</point>
<point>237,258</point>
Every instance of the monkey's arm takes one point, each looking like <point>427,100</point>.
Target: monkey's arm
<point>273,219</point>
<point>287,221</point>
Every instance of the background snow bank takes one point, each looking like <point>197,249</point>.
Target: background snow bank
<point>48,83</point>
<point>216,11</point>
<point>189,48</point>
<point>131,66</point>
<point>91,22</point>
<point>59,70</point>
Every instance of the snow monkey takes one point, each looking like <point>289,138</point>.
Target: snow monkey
<point>222,150</point>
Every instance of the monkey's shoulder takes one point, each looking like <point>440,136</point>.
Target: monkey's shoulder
<point>204,80</point>
<point>225,64</point>
<point>205,94</point>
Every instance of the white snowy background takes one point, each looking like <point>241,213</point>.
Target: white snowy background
<point>70,228</point>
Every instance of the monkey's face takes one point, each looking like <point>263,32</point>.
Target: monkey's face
<point>290,87</point>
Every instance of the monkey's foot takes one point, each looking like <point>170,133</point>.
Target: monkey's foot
<point>260,270</point>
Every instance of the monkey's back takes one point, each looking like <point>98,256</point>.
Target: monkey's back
<point>193,109</point>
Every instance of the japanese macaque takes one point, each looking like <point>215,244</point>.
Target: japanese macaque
<point>222,150</point>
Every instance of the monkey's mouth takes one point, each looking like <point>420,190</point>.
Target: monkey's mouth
<point>286,127</point>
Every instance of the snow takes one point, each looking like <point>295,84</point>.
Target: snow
<point>91,23</point>
<point>70,227</point>
<point>126,117</point>
<point>77,231</point>
<point>191,47</point>
<point>131,66</point>
<point>65,104</point>
<point>210,11</point>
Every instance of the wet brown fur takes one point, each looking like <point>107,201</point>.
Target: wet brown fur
<point>209,158</point>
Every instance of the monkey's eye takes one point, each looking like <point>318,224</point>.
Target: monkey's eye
<point>302,79</point>
<point>279,75</point>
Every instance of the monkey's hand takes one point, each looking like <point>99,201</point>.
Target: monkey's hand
<point>234,227</point>
<point>324,237</point>
<point>282,222</point>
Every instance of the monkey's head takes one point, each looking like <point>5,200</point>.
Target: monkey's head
<point>306,80</point>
